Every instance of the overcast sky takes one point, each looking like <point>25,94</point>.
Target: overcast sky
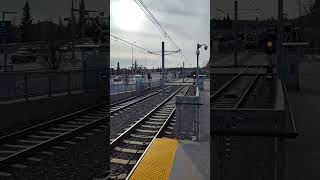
<point>186,22</point>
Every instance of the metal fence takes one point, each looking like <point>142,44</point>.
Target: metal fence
<point>121,88</point>
<point>17,85</point>
<point>311,51</point>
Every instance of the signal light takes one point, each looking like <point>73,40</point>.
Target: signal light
<point>194,75</point>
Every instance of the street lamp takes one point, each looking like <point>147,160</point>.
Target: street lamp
<point>132,58</point>
<point>198,53</point>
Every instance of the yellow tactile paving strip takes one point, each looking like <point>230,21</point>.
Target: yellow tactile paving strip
<point>157,162</point>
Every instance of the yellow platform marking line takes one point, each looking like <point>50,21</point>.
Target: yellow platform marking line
<point>158,161</point>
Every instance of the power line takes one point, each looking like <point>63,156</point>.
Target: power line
<point>132,44</point>
<point>154,20</point>
<point>141,48</point>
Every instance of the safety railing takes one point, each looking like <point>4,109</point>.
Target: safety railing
<point>122,88</point>
<point>17,85</point>
<point>311,51</point>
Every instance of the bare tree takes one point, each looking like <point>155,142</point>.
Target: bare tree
<point>53,56</point>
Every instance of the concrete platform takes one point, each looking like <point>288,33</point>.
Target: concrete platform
<point>157,162</point>
<point>192,159</point>
<point>303,153</point>
<point>184,159</point>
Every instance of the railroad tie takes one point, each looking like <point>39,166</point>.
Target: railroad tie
<point>146,131</point>
<point>157,119</point>
<point>4,174</point>
<point>16,146</point>
<point>123,161</point>
<point>141,136</point>
<point>7,152</point>
<point>135,142</point>
<point>29,141</point>
<point>156,123</point>
<point>19,166</point>
<point>69,125</point>
<point>151,127</point>
<point>120,176</point>
<point>125,150</point>
<point>50,132</point>
<point>40,137</point>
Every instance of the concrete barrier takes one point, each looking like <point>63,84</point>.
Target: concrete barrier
<point>187,113</point>
<point>41,109</point>
<point>46,108</point>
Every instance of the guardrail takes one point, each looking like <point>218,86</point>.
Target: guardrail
<point>122,88</point>
<point>17,85</point>
<point>9,67</point>
<point>311,51</point>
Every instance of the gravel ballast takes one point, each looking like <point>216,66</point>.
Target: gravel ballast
<point>129,116</point>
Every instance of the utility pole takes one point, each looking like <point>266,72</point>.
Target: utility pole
<point>183,73</point>
<point>82,18</point>
<point>71,20</point>
<point>162,74</point>
<point>132,59</point>
<point>235,29</point>
<point>299,5</point>
<point>197,72</point>
<point>280,40</point>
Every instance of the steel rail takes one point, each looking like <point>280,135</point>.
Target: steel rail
<point>248,89</point>
<point>137,100</point>
<point>153,139</point>
<point>64,135</point>
<point>63,118</point>
<point>226,85</point>
<point>121,136</point>
<point>35,148</point>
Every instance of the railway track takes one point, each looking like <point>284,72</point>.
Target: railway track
<point>29,141</point>
<point>134,100</point>
<point>128,149</point>
<point>234,92</point>
<point>169,128</point>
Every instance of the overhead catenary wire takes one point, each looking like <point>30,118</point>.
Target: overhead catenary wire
<point>149,14</point>
<point>141,49</point>
<point>154,20</point>
<point>132,44</point>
